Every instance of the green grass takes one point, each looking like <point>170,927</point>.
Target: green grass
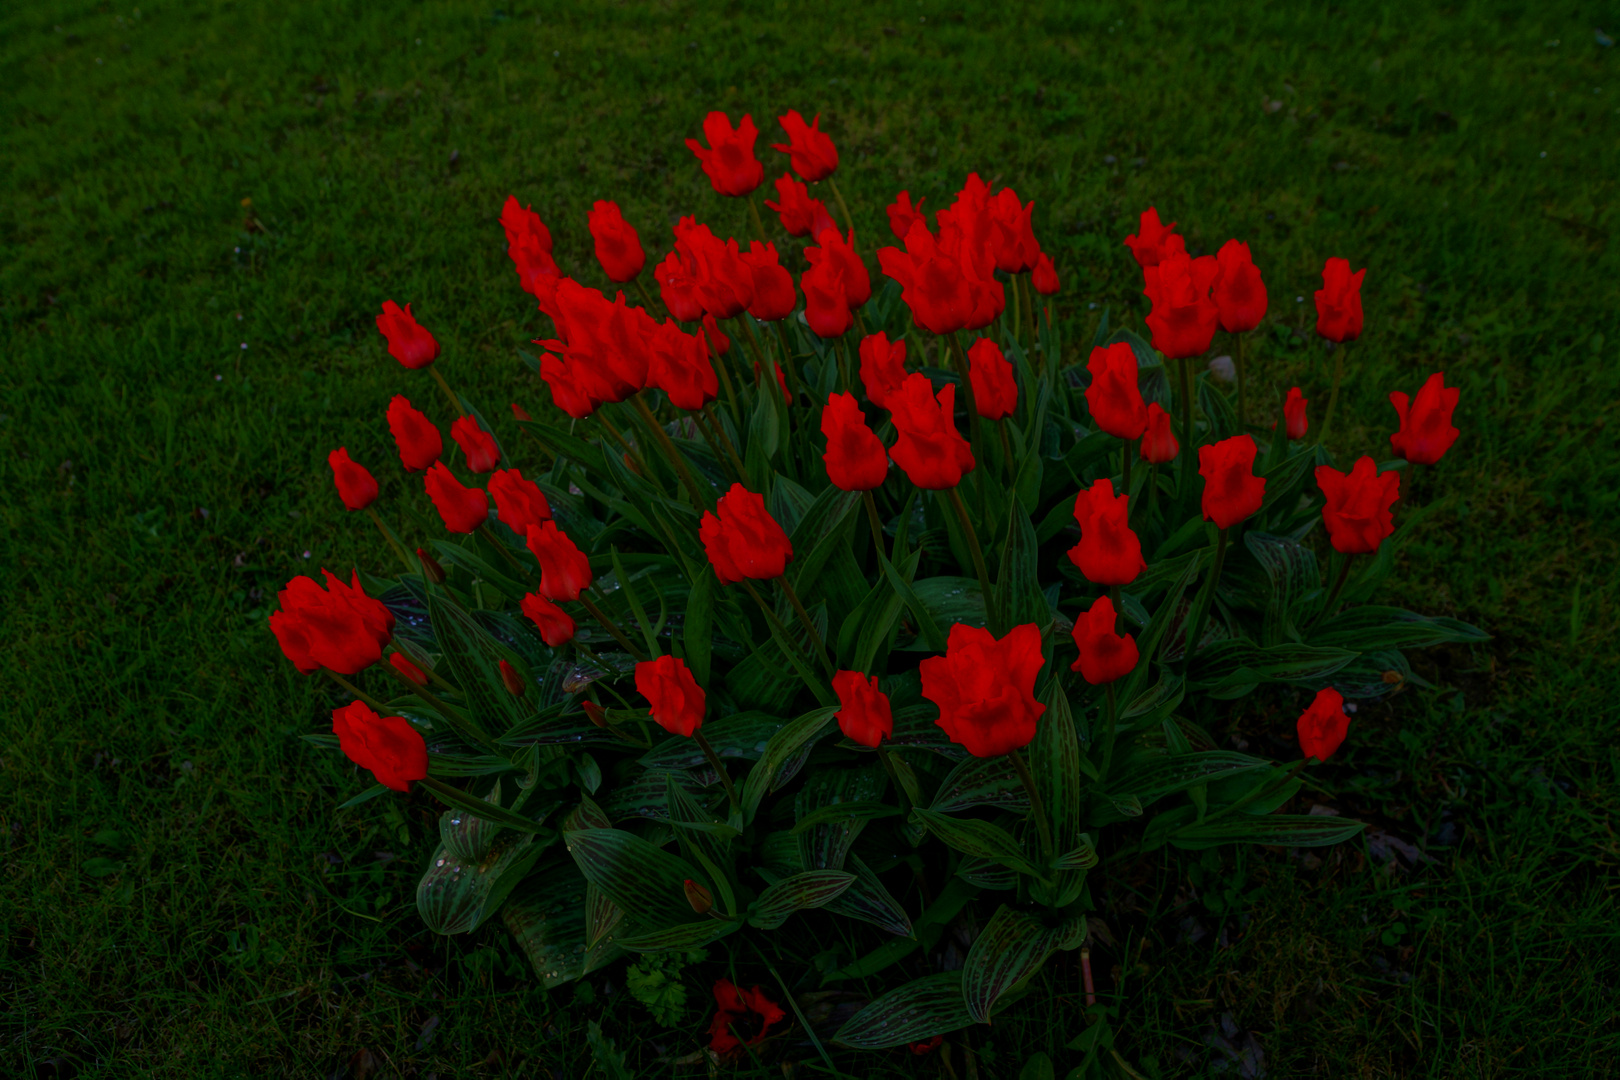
<point>179,897</point>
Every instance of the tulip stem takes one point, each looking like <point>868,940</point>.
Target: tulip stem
<point>1006,453</point>
<point>460,721</point>
<point>1184,491</point>
<point>1153,494</point>
<point>973,546</point>
<point>675,458</point>
<point>849,220</point>
<point>646,297</point>
<point>506,553</point>
<point>393,542</point>
<point>1037,809</point>
<point>1017,304</point>
<point>787,359</point>
<point>1333,398</point>
<point>725,439</point>
<point>964,376</point>
<point>429,672</point>
<point>1331,605</point>
<point>1022,282</point>
<point>455,402</point>
<point>708,437</point>
<point>719,767</point>
<point>759,225</point>
<point>611,627</point>
<point>1206,598</point>
<point>809,627</point>
<point>634,453</point>
<point>1243,407</point>
<point>875,522</point>
<point>375,705</point>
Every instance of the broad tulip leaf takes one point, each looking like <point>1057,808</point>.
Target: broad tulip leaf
<point>687,936</point>
<point>1369,629</point>
<point>546,914</point>
<point>811,889</point>
<point>1083,857</point>
<point>561,442</point>
<point>1291,569</point>
<point>697,635</point>
<point>986,874</point>
<point>824,528</point>
<point>981,838</point>
<point>950,600</point>
<point>928,629</point>
<point>1151,778</point>
<point>1228,668</point>
<point>646,796</point>
<point>915,1012</point>
<point>1008,950</point>
<point>741,736</point>
<point>468,803</point>
<point>456,895</point>
<point>1019,598</point>
<point>983,782</point>
<point>646,882</point>
<point>867,900</point>
<point>1283,830</point>
<point>825,846</point>
<point>917,727</point>
<point>601,915</point>
<point>782,746</point>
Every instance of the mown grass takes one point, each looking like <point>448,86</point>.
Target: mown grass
<point>203,205</point>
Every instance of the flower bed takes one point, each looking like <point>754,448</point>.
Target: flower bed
<point>879,604</point>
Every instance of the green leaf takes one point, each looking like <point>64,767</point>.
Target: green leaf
<point>827,789</point>
<point>981,838</point>
<point>783,745</point>
<point>847,811</point>
<point>472,656</point>
<point>365,796</point>
<point>606,1056</point>
<point>1083,857</point>
<point>1054,761</point>
<point>546,914</point>
<point>1369,629</point>
<point>697,637</point>
<point>930,925</point>
<point>1150,641</point>
<point>1037,1067</point>
<point>1019,598</point>
<point>867,900</point>
<point>1151,778</point>
<point>1282,830</point>
<point>825,527</point>
<point>917,1011</point>
<point>928,630</point>
<point>456,895</point>
<point>741,736</point>
<point>1234,666</point>
<point>1008,950</point>
<point>472,804</point>
<point>982,782</point>
<point>684,938</point>
<point>570,446</point>
<point>1291,569</point>
<point>646,882</point>
<point>811,889</point>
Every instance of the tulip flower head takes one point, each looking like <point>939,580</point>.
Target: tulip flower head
<point>854,456</point>
<point>1357,512</point>
<point>1338,302</point>
<point>462,509</point>
<point>408,341</point>
<point>811,151</point>
<point>863,713</point>
<point>419,442</point>
<point>678,364</point>
<point>774,297</point>
<point>339,628</point>
<point>930,450</point>
<point>801,215</point>
<point>678,286</point>
<point>1115,394</point>
<point>519,502</point>
<point>1240,295</point>
<point>1323,725</point>
<point>1012,235</point>
<point>1159,441</point>
<point>948,281</point>
<point>743,1017</point>
<point>565,571</point>
<point>407,669</point>
<point>1044,277</point>
<point>826,300</point>
<point>1295,423</point>
<point>742,539</point>
<point>852,271</point>
<point>719,343</point>
<point>1231,490</point>
<point>1109,552</point>
<point>1184,317</point>
<point>995,393</point>
<point>356,487</point>
<point>676,698</point>
<point>387,745</point>
<point>1105,655</point>
<point>1426,432</point>
<point>883,367</point>
<point>729,160</point>
<point>618,248</point>
<point>902,215</point>
<point>528,244</point>
<point>478,444</point>
<point>1154,241</point>
<point>556,625</point>
<point>985,688</point>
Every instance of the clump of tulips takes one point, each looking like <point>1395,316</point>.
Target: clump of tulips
<point>829,593</point>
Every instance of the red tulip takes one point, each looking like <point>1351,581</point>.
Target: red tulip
<point>520,413</point>
<point>678,286</point>
<point>1105,656</point>
<point>565,572</point>
<point>1357,512</point>
<point>1108,553</point>
<point>339,628</point>
<point>725,284</point>
<point>883,367</point>
<point>1012,235</point>
<point>677,700</point>
<point>1183,317</point>
<point>1294,422</point>
<point>511,679</point>
<point>1154,241</point>
<point>995,393</point>
<point>835,249</point>
<point>744,541</point>
<point>1115,395</point>
<point>521,221</point>
<point>407,669</point>
<point>419,442</point>
<point>719,343</point>
<point>1323,726</point>
<point>854,456</point>
<point>745,1011</point>
<point>801,215</point>
<point>678,364</point>
<point>1159,442</point>
<point>902,215</point>
<point>1239,293</point>
<point>519,502</point>
<point>947,282</point>
<point>985,688</point>
<point>826,303</point>
<point>1338,301</point>
<point>556,625</point>
<point>529,246</point>
<point>1231,490</point>
<point>930,450</point>
<point>408,341</point>
<point>729,159</point>
<point>1426,432</point>
<point>603,348</point>
<point>568,392</point>
<point>355,485</point>
<point>478,444</point>
<point>463,509</point>
<point>774,297</point>
<point>387,745</point>
<point>1044,277</point>
<point>812,153</point>
<point>618,248</point>
<point>863,712</point>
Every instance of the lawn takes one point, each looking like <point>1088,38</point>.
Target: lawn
<point>203,205</point>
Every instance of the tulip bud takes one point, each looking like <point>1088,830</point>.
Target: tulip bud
<point>431,568</point>
<point>511,680</point>
<point>597,714</point>
<point>699,897</point>
<point>411,672</point>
